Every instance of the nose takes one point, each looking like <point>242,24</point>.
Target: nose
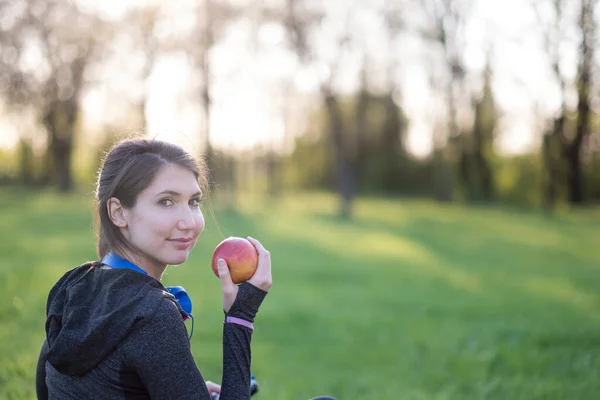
<point>186,220</point>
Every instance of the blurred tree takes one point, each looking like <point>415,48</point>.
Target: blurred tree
<point>362,105</point>
<point>592,156</point>
<point>392,148</point>
<point>573,149</point>
<point>344,167</point>
<point>395,124</point>
<point>301,20</point>
<point>140,25</point>
<point>44,70</point>
<point>26,161</point>
<point>212,19</point>
<point>477,146</point>
<point>206,32</point>
<point>563,144</point>
<point>447,30</point>
<point>519,179</point>
<point>366,130</point>
<point>551,156</point>
<point>553,33</point>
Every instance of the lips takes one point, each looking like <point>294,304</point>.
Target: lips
<point>182,243</point>
<point>182,240</point>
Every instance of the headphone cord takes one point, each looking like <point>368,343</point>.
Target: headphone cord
<point>192,332</point>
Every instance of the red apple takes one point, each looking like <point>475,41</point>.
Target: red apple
<point>240,255</point>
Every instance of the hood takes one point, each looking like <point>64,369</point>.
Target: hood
<point>90,310</point>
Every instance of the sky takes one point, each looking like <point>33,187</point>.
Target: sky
<point>247,93</point>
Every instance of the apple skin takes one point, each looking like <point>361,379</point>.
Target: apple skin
<point>240,255</point>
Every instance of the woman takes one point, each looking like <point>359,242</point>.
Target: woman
<point>113,331</point>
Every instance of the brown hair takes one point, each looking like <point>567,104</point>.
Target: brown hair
<point>127,169</point>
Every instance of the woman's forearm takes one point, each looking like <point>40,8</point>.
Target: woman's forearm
<point>237,335</point>
<point>237,357</point>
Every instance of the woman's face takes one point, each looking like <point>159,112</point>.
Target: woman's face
<point>166,220</point>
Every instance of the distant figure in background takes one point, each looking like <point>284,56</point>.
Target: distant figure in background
<point>113,331</point>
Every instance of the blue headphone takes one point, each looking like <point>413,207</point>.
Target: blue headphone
<point>115,261</point>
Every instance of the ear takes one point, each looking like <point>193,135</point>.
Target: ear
<point>116,212</point>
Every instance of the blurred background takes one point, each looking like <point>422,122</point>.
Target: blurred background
<point>424,172</point>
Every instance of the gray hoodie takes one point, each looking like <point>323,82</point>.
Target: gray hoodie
<point>119,334</point>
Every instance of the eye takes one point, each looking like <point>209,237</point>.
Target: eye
<point>166,202</point>
<point>195,202</point>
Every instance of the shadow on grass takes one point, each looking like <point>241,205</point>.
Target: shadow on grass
<point>543,260</point>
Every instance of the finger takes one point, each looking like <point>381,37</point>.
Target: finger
<point>213,387</point>
<point>262,277</point>
<point>263,254</point>
<point>264,258</point>
<point>223,270</point>
<point>259,247</point>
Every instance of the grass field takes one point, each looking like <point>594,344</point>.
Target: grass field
<point>410,300</point>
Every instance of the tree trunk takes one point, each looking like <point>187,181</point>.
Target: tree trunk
<point>361,151</point>
<point>346,179</point>
<point>486,177</point>
<point>466,168</point>
<point>573,153</point>
<point>444,169</point>
<point>26,162</point>
<point>59,126</point>
<point>209,152</point>
<point>575,177</point>
<point>361,134</point>
<point>62,158</point>
<point>272,173</point>
<point>392,143</point>
<point>551,168</point>
<point>481,165</point>
<point>442,179</point>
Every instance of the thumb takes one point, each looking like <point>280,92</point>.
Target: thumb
<point>224,275</point>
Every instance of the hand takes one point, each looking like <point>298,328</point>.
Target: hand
<point>230,289</point>
<point>213,387</point>
<point>261,279</point>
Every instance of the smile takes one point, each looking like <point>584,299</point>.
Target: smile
<point>182,240</point>
<point>182,243</point>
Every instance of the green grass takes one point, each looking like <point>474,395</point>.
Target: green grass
<point>410,300</point>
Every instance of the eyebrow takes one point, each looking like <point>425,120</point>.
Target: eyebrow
<point>174,193</point>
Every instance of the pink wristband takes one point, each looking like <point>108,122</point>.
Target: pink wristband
<point>239,321</point>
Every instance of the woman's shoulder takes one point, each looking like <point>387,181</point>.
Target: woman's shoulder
<point>166,322</point>
<point>168,310</point>
<point>80,269</point>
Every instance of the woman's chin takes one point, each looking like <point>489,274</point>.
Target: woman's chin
<point>178,258</point>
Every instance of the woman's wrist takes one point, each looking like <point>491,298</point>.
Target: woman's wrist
<point>247,302</point>
<point>239,321</point>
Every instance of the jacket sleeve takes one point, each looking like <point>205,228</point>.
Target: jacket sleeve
<point>40,373</point>
<point>237,355</point>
